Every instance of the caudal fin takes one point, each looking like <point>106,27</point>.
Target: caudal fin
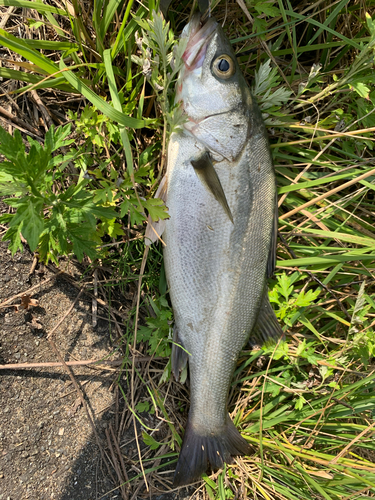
<point>199,450</point>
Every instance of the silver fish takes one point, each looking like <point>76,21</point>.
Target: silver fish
<point>220,241</point>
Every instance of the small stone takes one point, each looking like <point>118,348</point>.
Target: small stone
<point>17,355</point>
<point>24,454</point>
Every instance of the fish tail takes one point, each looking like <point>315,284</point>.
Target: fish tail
<point>199,449</point>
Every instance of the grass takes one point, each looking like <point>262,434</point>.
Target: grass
<point>307,406</point>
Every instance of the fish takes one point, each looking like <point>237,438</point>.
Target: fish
<point>220,241</point>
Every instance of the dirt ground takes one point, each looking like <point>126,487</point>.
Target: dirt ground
<point>47,446</point>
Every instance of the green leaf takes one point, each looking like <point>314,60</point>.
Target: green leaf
<point>361,89</point>
<point>300,403</point>
<point>103,212</point>
<point>141,407</point>
<point>284,285</point>
<point>14,236</point>
<point>259,25</point>
<point>29,221</point>
<point>267,9</point>
<point>156,208</point>
<point>370,24</point>
<point>304,299</point>
<point>108,13</point>
<point>82,246</point>
<point>11,147</point>
<point>150,441</point>
<point>33,225</point>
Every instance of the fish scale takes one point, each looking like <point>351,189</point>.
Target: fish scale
<point>220,241</point>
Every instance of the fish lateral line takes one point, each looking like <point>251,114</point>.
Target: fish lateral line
<point>207,174</point>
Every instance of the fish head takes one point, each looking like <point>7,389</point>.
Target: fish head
<point>212,89</point>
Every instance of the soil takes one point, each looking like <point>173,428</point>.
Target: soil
<point>47,446</point>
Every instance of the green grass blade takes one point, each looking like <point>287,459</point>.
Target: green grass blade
<point>36,81</point>
<point>108,14</point>
<point>325,28</point>
<point>351,238</point>
<point>22,48</point>
<point>39,6</point>
<point>329,19</point>
<point>325,262</point>
<point>51,45</point>
<point>55,24</point>
<point>103,106</point>
<point>309,184</point>
<point>117,104</point>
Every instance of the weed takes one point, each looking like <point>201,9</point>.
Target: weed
<point>56,221</point>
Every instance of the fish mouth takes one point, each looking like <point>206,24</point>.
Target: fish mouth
<point>199,35</point>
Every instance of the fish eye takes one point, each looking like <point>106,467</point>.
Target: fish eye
<point>224,66</point>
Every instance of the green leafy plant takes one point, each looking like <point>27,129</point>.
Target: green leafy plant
<point>289,302</point>
<point>158,332</point>
<point>361,335</point>
<point>267,90</point>
<point>262,10</point>
<point>54,220</point>
<point>161,61</point>
<point>97,128</point>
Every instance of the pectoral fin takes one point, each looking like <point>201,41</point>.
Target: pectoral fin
<point>207,175</point>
